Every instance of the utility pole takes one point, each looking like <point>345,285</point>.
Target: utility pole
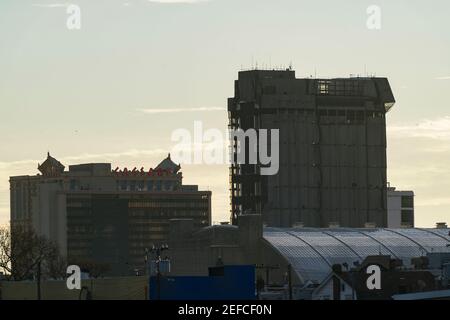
<point>38,276</point>
<point>158,251</point>
<point>158,275</point>
<point>290,281</point>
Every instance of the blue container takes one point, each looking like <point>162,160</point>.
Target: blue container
<point>223,283</point>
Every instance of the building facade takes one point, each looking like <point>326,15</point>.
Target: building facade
<point>308,254</point>
<point>332,149</point>
<point>400,208</point>
<point>97,215</point>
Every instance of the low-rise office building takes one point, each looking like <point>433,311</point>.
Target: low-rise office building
<point>400,206</point>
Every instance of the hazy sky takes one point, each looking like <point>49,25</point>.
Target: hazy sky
<point>82,94</point>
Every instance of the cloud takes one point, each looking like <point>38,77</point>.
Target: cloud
<point>433,202</point>
<point>177,110</point>
<point>443,78</point>
<point>51,5</point>
<point>177,1</point>
<point>438,129</point>
<point>132,153</point>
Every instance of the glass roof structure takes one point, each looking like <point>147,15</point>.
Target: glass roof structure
<point>312,252</point>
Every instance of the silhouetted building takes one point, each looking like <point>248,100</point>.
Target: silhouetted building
<point>308,255</point>
<point>332,149</point>
<point>101,216</point>
<point>352,285</point>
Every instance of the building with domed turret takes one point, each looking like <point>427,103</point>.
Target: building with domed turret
<point>97,214</point>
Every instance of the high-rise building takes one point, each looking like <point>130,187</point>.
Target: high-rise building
<point>332,149</point>
<point>104,216</point>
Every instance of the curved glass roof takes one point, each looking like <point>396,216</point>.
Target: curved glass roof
<point>312,252</point>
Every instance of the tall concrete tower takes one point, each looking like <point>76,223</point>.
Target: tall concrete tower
<point>332,149</point>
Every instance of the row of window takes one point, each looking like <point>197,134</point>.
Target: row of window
<point>150,185</point>
<point>160,204</point>
<point>171,215</point>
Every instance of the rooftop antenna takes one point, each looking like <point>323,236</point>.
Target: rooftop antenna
<point>290,66</point>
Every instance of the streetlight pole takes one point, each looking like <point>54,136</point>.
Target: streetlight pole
<point>39,280</point>
<point>290,281</point>
<point>158,251</point>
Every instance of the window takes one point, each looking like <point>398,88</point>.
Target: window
<point>158,185</point>
<point>269,90</point>
<point>359,116</point>
<point>407,202</point>
<point>350,115</point>
<point>323,87</point>
<point>150,185</point>
<point>73,184</point>
<point>168,185</point>
<point>408,217</point>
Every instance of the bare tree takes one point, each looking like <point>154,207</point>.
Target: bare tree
<point>5,250</point>
<point>26,255</point>
<point>56,266</point>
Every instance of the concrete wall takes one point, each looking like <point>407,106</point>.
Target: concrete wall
<point>124,288</point>
<point>192,253</point>
<point>51,214</point>
<point>394,206</point>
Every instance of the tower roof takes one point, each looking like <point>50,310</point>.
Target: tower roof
<point>169,165</point>
<point>51,166</point>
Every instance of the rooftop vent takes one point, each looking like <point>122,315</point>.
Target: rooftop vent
<point>441,225</point>
<point>333,225</point>
<point>370,225</point>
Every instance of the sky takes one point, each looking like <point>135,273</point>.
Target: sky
<point>136,70</point>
